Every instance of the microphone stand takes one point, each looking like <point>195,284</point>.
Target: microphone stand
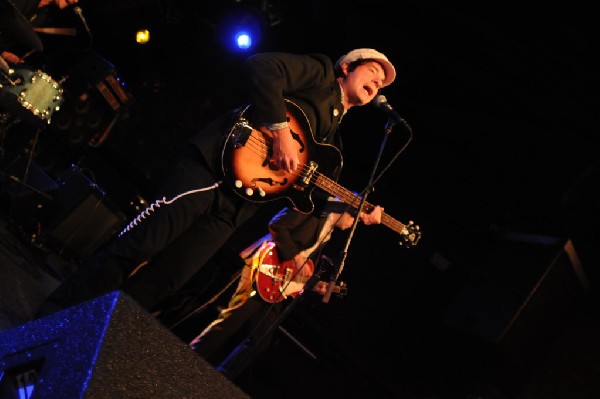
<point>237,360</point>
<point>344,253</point>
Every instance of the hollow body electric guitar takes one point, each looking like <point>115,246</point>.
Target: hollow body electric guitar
<point>248,167</point>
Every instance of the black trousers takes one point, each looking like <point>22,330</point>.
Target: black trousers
<point>176,236</point>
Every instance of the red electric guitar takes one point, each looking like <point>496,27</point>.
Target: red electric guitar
<point>275,280</point>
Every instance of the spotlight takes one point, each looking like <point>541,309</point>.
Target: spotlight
<point>241,28</point>
<point>243,40</point>
<point>142,36</point>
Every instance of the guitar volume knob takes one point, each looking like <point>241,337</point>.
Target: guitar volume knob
<point>249,192</point>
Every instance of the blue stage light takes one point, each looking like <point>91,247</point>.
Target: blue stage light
<point>241,29</point>
<point>243,40</point>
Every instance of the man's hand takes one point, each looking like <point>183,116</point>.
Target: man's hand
<point>285,150</point>
<point>373,217</point>
<point>304,268</point>
<point>320,287</point>
<point>12,58</point>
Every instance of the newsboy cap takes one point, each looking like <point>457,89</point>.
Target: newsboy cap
<point>369,53</point>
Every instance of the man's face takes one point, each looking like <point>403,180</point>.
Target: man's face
<point>363,83</point>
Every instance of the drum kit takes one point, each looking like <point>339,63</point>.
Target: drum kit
<point>27,95</point>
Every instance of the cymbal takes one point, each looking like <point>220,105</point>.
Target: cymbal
<point>16,25</point>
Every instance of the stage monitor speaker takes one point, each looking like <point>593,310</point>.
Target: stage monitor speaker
<point>105,348</point>
<point>523,293</point>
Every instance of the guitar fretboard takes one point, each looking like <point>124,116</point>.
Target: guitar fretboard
<point>348,197</point>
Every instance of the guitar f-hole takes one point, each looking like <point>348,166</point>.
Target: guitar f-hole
<point>269,181</point>
<point>298,138</point>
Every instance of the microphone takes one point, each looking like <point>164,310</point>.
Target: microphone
<point>381,102</point>
<point>79,13</point>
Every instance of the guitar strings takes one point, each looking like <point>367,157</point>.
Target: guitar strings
<point>260,147</point>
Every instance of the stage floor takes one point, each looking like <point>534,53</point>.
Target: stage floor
<point>570,366</point>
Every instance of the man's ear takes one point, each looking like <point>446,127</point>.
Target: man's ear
<point>344,68</point>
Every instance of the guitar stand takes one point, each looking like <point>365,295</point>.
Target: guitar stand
<point>241,356</point>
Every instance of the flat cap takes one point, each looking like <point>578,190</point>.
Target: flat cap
<point>369,53</point>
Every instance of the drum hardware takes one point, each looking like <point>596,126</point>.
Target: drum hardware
<point>4,126</point>
<point>15,179</point>
<point>6,121</point>
<point>23,180</point>
<point>57,31</point>
<point>33,96</point>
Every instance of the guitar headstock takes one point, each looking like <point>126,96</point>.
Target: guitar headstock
<point>410,234</point>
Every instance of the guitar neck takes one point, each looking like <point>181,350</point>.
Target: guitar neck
<point>348,197</point>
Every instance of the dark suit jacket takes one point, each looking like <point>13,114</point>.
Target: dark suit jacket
<point>294,232</point>
<point>307,80</point>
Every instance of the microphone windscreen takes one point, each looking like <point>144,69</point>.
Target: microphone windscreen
<point>379,100</point>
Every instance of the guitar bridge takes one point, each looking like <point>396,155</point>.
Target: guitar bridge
<point>240,133</point>
<point>305,178</point>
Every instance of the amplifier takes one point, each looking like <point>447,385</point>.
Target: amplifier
<point>85,218</point>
